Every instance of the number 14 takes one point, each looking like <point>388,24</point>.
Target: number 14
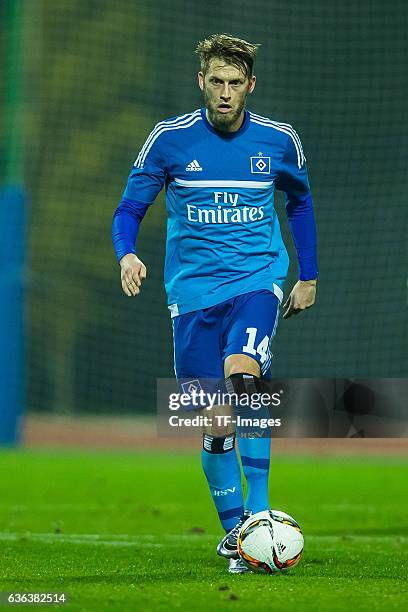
<point>263,347</point>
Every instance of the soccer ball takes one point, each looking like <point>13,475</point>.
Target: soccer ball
<point>270,541</point>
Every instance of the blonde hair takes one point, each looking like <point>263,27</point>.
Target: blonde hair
<point>234,51</point>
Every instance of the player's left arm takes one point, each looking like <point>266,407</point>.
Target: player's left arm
<point>293,181</point>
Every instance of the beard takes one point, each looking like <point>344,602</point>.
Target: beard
<point>222,121</point>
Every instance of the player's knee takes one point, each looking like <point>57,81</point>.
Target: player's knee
<point>236,364</point>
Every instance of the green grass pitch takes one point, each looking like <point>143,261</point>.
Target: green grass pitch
<point>122,531</point>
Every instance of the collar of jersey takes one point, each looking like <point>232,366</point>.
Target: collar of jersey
<point>226,135</point>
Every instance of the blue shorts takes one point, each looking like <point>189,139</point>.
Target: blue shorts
<point>203,339</point>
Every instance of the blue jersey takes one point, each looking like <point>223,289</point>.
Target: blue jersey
<point>223,234</point>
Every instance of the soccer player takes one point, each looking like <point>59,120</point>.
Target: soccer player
<point>225,259</point>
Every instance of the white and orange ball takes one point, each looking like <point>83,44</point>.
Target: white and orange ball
<point>270,541</point>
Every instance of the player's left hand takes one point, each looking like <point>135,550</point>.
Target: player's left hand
<point>302,296</point>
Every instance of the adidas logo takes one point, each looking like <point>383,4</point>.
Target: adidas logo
<point>281,547</point>
<point>193,166</point>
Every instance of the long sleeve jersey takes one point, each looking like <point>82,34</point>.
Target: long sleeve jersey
<point>223,234</point>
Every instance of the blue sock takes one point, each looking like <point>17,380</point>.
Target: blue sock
<point>255,454</point>
<point>221,467</point>
<point>254,442</point>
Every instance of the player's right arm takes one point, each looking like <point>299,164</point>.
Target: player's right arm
<point>145,181</point>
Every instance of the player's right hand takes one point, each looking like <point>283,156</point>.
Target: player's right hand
<point>132,273</point>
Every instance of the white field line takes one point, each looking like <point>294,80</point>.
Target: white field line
<point>147,540</point>
<point>69,506</point>
<point>53,506</point>
<point>348,507</point>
